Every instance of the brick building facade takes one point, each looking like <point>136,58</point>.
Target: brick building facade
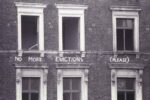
<point>74,50</point>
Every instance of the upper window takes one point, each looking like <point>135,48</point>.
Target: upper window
<point>30,26</point>
<point>125,33</point>
<point>29,30</point>
<point>71,27</point>
<point>71,38</point>
<point>125,29</point>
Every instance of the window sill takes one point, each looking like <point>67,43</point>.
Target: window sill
<point>71,52</point>
<point>127,53</point>
<point>21,52</point>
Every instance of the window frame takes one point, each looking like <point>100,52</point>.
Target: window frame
<point>38,73</point>
<point>124,29</point>
<point>125,91</point>
<point>126,13</point>
<point>71,10</point>
<point>31,9</point>
<point>29,90</point>
<point>71,90</point>
<point>126,73</point>
<point>72,73</point>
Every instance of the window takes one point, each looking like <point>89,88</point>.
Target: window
<point>29,32</point>
<point>30,88</point>
<point>71,88</point>
<point>72,84</point>
<point>31,84</point>
<point>71,33</point>
<point>125,29</point>
<point>125,89</point>
<point>126,84</point>
<point>30,26</point>
<point>71,27</point>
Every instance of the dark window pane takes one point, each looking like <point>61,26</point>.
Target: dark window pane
<point>130,84</point>
<point>66,96</point>
<point>129,23</point>
<point>129,39</point>
<point>121,83</point>
<point>75,96</point>
<point>29,32</point>
<point>66,83</point>
<point>126,83</point>
<point>121,96</point>
<point>25,96</point>
<point>34,96</point>
<point>120,22</point>
<point>32,92</point>
<point>125,23</point>
<point>25,83</point>
<point>35,83</point>
<point>76,84</point>
<point>71,33</point>
<point>130,95</point>
<point>120,39</point>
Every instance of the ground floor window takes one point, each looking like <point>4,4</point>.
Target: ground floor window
<point>71,88</point>
<point>30,88</point>
<point>72,84</point>
<point>125,88</point>
<point>31,83</point>
<point>126,84</point>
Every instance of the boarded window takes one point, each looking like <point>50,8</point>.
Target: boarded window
<point>30,88</point>
<point>29,32</point>
<point>71,88</point>
<point>71,38</point>
<point>126,89</point>
<point>125,34</point>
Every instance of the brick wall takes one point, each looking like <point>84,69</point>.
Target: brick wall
<point>98,35</point>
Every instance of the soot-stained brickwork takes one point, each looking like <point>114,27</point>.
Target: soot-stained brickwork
<point>98,46</point>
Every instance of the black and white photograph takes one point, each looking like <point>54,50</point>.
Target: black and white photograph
<point>74,49</point>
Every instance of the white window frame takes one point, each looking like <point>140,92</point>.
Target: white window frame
<point>31,9</point>
<point>70,10</point>
<point>126,13</point>
<point>126,73</point>
<point>81,73</point>
<point>40,73</point>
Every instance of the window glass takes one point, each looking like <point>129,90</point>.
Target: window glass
<point>130,95</point>
<point>25,84</point>
<point>66,84</point>
<point>75,96</point>
<point>34,96</point>
<point>126,89</point>
<point>66,96</point>
<point>120,39</point>
<point>30,88</point>
<point>76,84</point>
<point>35,84</point>
<point>72,91</point>
<point>121,96</point>
<point>25,96</point>
<point>125,34</point>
